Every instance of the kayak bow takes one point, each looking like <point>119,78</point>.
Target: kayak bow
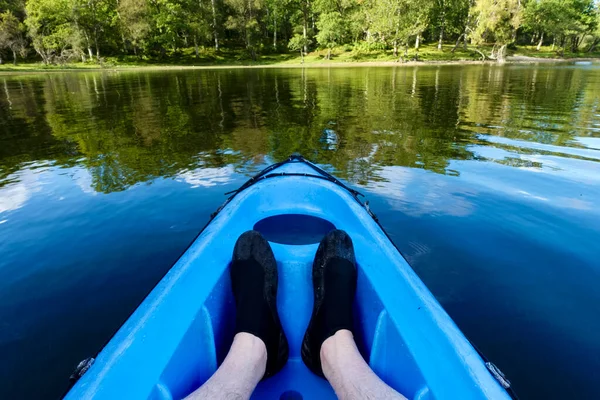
<point>178,336</point>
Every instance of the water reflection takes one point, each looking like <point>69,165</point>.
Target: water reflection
<point>127,128</point>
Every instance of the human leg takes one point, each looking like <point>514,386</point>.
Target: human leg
<point>348,373</point>
<point>239,373</point>
<point>328,348</point>
<point>260,348</point>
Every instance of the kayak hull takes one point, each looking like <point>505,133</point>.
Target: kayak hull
<point>181,332</point>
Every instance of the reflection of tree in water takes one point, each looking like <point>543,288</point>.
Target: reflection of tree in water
<point>133,127</point>
<point>24,133</point>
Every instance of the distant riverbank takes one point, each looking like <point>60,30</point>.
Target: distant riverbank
<point>427,55</point>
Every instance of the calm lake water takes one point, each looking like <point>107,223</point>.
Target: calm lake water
<point>487,178</point>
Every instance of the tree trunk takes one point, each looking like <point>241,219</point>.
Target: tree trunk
<point>304,32</point>
<point>442,26</point>
<point>577,41</point>
<point>395,48</point>
<point>91,53</point>
<point>41,53</point>
<point>493,54</point>
<point>593,45</point>
<point>215,32</point>
<point>581,40</point>
<point>329,53</point>
<point>301,55</point>
<point>0,59</point>
<point>501,55</point>
<point>196,50</point>
<point>97,48</point>
<point>561,46</point>
<point>457,43</point>
<point>274,30</point>
<point>553,43</point>
<point>539,46</point>
<point>14,57</point>
<point>483,57</point>
<point>417,41</point>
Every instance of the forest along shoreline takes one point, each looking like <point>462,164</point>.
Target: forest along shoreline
<point>92,34</point>
<point>73,34</point>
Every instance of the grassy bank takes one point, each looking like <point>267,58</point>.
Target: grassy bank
<point>341,55</point>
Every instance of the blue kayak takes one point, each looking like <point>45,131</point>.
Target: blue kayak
<point>178,336</point>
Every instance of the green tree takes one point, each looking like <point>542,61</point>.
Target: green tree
<point>331,30</point>
<point>199,25</point>
<point>389,22</point>
<point>302,19</point>
<point>298,43</point>
<point>595,33</point>
<point>496,21</point>
<point>216,20</point>
<point>245,20</point>
<point>358,23</point>
<point>448,18</point>
<point>395,22</point>
<point>134,22</point>
<point>11,35</point>
<point>17,7</point>
<point>418,18</point>
<point>333,23</point>
<point>567,21</point>
<point>277,18</point>
<point>69,29</point>
<point>93,19</point>
<point>581,17</point>
<point>540,17</point>
<point>170,18</point>
<point>49,26</point>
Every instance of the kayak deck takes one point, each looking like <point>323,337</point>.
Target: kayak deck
<point>178,336</point>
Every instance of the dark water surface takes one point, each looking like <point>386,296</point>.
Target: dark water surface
<point>487,178</point>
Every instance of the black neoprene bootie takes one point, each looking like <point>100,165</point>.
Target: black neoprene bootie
<point>334,281</point>
<point>254,283</point>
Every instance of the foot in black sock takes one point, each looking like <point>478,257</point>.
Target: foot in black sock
<point>334,282</point>
<point>254,283</point>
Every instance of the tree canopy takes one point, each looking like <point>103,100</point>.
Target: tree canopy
<point>85,30</point>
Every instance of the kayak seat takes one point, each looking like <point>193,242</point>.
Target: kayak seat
<point>206,342</point>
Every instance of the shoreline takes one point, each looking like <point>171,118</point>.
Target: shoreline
<point>511,60</point>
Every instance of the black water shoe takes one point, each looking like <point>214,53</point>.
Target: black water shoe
<point>254,283</point>
<point>334,281</point>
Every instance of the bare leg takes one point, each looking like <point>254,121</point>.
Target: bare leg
<point>348,373</point>
<point>240,372</point>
